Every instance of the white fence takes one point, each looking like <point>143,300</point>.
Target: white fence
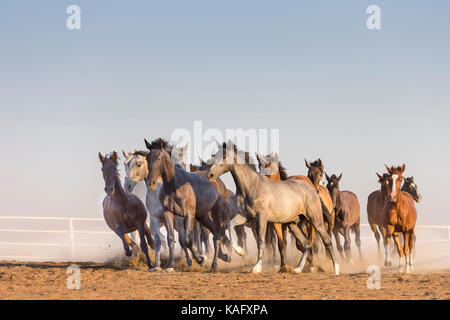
<point>79,239</point>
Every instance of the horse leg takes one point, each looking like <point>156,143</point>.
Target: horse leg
<point>318,225</point>
<point>242,237</point>
<point>374,229</point>
<point>357,229</point>
<point>189,221</point>
<point>303,244</point>
<point>406,250</point>
<point>157,242</point>
<point>347,248</point>
<point>387,241</point>
<point>261,225</point>
<point>143,243</point>
<point>401,257</point>
<point>198,237</point>
<point>280,231</point>
<point>270,239</point>
<point>412,239</point>
<point>168,217</point>
<point>236,221</point>
<point>179,227</point>
<point>119,231</point>
<point>338,242</point>
<point>205,240</point>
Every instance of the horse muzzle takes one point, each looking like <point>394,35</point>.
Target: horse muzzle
<point>419,198</point>
<point>109,190</point>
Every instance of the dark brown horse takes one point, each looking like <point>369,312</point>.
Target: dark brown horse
<point>124,212</point>
<point>375,205</point>
<point>410,187</point>
<point>189,195</point>
<point>346,206</point>
<point>400,217</point>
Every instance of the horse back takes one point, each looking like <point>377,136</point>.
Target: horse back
<point>375,205</point>
<point>350,207</point>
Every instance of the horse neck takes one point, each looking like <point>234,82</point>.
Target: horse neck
<point>275,176</point>
<point>167,178</point>
<point>119,193</point>
<point>384,192</point>
<point>244,177</point>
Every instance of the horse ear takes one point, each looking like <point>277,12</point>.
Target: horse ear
<point>114,156</point>
<point>147,144</point>
<point>186,147</point>
<point>379,176</point>
<point>191,167</point>
<point>102,158</point>
<point>339,178</point>
<point>259,158</point>
<point>388,169</point>
<point>308,165</point>
<point>276,157</point>
<point>319,162</point>
<point>218,144</point>
<point>412,179</point>
<point>327,177</point>
<point>403,168</point>
<point>126,155</point>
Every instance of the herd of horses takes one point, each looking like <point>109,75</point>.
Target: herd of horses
<point>196,204</point>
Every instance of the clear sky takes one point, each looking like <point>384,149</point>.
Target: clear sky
<point>355,98</point>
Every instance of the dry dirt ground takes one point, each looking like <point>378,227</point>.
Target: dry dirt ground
<point>37,280</point>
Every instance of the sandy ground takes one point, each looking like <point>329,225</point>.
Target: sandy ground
<point>38,280</point>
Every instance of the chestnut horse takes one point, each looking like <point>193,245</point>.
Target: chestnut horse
<point>124,212</point>
<point>346,206</point>
<point>400,215</point>
<point>375,205</point>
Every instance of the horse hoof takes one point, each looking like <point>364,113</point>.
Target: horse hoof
<point>283,269</point>
<point>298,270</point>
<point>226,258</point>
<point>169,270</point>
<point>313,269</point>
<point>336,269</point>
<point>213,269</point>
<point>203,261</point>
<point>154,269</point>
<point>239,250</point>
<point>257,269</point>
<point>128,253</point>
<point>408,270</point>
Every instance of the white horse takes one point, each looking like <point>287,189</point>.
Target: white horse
<point>136,169</point>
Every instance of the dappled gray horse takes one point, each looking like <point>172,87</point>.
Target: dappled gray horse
<point>189,195</point>
<point>136,169</point>
<point>124,212</point>
<point>268,200</point>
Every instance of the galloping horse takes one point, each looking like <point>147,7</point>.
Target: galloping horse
<point>124,212</point>
<point>400,216</point>
<point>375,205</point>
<point>267,200</point>
<point>231,198</point>
<point>136,169</point>
<point>189,195</point>
<point>347,210</point>
<point>410,187</point>
<point>271,167</point>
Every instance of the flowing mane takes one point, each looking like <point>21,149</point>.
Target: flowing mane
<point>282,170</point>
<point>159,144</point>
<point>246,155</point>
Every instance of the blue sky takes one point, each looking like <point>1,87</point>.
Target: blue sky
<point>354,97</point>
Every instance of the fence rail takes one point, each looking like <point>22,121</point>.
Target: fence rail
<point>71,232</point>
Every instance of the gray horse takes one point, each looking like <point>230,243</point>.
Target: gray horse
<point>136,169</point>
<point>189,195</point>
<point>268,200</point>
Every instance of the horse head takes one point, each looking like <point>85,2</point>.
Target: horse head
<point>315,171</point>
<point>395,181</point>
<point>410,187</point>
<point>109,170</point>
<point>135,168</point>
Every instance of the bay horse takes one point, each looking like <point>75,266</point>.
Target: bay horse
<point>375,205</point>
<point>410,187</point>
<point>346,206</point>
<point>123,212</point>
<point>136,169</point>
<point>265,200</point>
<point>400,217</point>
<point>231,198</point>
<point>189,195</point>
